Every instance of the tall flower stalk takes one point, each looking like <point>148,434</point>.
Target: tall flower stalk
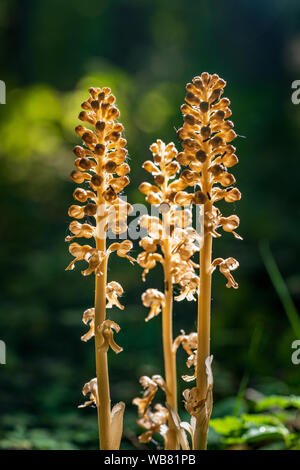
<point>206,135</point>
<point>171,242</point>
<point>101,167</point>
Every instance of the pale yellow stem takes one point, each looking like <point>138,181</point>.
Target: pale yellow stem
<point>104,402</point>
<point>169,354</point>
<point>203,328</point>
<point>104,405</point>
<point>204,300</point>
<point>167,325</point>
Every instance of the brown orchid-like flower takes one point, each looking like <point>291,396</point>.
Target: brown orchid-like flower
<point>154,422</point>
<point>226,266</point>
<point>113,291</point>
<point>189,283</point>
<point>188,342</point>
<point>154,299</point>
<point>91,389</point>
<point>214,220</point>
<point>106,330</point>
<point>122,249</point>
<point>89,319</point>
<point>150,386</point>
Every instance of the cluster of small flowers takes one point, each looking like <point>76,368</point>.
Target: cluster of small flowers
<point>174,226</point>
<point>101,166</point>
<point>206,137</point>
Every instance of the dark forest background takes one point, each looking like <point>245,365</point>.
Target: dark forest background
<point>146,51</point>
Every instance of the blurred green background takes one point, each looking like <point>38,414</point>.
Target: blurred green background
<point>146,51</point>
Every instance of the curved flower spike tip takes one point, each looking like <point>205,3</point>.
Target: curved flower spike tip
<point>206,137</point>
<point>107,329</point>
<point>225,266</point>
<point>154,299</point>
<point>91,389</point>
<point>100,163</point>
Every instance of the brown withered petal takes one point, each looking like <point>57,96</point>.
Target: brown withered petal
<point>188,342</point>
<point>95,261</point>
<point>148,244</point>
<point>107,329</point>
<point>226,179</point>
<point>90,209</point>
<point>150,386</point>
<point>193,400</point>
<point>89,319</point>
<point>226,266</point>
<point>80,230</point>
<point>76,211</point>
<point>153,198</point>
<point>82,195</point>
<point>122,249</point>
<point>154,422</point>
<point>191,361</point>
<point>233,195</point>
<point>154,299</point>
<point>148,261</point>
<point>151,167</point>
<point>79,252</point>
<point>189,283</point>
<point>147,188</point>
<point>183,198</point>
<point>91,389</point>
<point>229,224</point>
<point>113,291</point>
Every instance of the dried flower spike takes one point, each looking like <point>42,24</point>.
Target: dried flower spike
<point>206,137</point>
<point>171,242</point>
<point>100,165</point>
